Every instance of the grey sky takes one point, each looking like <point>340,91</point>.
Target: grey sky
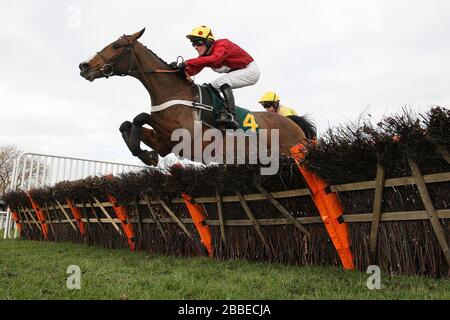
<point>330,59</point>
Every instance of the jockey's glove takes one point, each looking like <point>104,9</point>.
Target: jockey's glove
<point>181,66</point>
<point>173,65</point>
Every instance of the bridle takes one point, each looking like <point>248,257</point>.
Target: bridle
<point>108,70</point>
<point>108,66</point>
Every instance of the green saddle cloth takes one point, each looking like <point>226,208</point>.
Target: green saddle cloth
<point>245,117</point>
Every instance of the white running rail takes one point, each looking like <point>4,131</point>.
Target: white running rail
<point>2,219</point>
<point>34,170</point>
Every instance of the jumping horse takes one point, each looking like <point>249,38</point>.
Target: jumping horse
<point>128,57</point>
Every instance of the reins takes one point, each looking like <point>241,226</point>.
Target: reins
<point>108,70</point>
<point>108,67</point>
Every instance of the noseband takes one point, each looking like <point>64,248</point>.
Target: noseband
<point>108,66</point>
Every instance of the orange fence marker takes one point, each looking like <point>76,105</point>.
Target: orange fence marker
<point>77,215</point>
<point>17,221</point>
<point>122,214</point>
<point>199,218</point>
<point>40,215</point>
<point>330,210</point>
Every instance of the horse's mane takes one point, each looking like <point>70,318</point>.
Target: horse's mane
<point>180,74</point>
<point>159,58</point>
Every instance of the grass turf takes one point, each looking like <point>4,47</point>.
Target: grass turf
<point>37,270</point>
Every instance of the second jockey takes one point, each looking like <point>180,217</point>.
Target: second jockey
<point>223,56</point>
<point>271,102</point>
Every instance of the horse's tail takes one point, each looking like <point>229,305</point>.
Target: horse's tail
<point>307,125</point>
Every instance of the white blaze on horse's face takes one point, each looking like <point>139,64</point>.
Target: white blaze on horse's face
<point>88,60</point>
<point>91,68</point>
<point>99,66</point>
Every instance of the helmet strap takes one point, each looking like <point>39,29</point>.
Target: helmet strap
<point>276,104</point>
<point>209,44</point>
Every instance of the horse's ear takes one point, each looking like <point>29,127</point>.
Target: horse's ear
<point>138,34</point>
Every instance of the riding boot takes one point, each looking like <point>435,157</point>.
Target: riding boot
<point>229,120</point>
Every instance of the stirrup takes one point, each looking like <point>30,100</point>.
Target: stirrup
<point>231,122</point>
<point>226,120</point>
<point>223,117</point>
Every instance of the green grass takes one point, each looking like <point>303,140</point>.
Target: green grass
<point>37,270</point>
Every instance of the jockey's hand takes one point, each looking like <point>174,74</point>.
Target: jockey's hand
<point>173,65</point>
<point>189,71</point>
<point>181,66</point>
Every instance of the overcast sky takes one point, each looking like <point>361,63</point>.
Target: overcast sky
<point>330,59</point>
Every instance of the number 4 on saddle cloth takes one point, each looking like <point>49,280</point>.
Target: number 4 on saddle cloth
<point>208,95</point>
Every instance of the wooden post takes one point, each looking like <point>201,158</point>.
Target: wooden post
<point>427,202</point>
<point>155,217</point>
<point>49,219</point>
<point>96,215</point>
<point>254,221</point>
<point>56,213</point>
<point>444,153</point>
<point>178,221</point>
<point>108,216</point>
<point>34,219</point>
<point>138,216</point>
<point>221,220</point>
<point>66,215</point>
<point>56,216</point>
<point>282,209</point>
<point>86,216</point>
<point>376,217</point>
<point>26,217</point>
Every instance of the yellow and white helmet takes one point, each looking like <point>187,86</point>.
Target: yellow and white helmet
<point>269,96</point>
<point>202,32</point>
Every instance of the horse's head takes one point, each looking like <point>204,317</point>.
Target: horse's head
<point>114,59</point>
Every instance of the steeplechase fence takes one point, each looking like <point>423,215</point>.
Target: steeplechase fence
<point>361,197</point>
<point>252,222</point>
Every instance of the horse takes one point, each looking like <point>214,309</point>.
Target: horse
<point>128,57</point>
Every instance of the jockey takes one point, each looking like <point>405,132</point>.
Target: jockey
<point>271,102</point>
<point>223,56</point>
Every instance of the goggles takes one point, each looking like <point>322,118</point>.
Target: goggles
<point>268,104</point>
<point>198,43</point>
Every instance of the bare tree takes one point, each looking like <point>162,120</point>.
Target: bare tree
<point>8,153</point>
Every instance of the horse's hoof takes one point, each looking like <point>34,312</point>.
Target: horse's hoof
<point>141,119</point>
<point>125,126</point>
<point>150,158</point>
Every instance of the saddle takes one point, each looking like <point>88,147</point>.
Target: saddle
<point>212,104</point>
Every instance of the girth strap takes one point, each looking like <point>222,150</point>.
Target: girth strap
<point>188,103</point>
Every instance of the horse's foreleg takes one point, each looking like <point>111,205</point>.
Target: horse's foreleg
<point>132,134</point>
<point>150,138</point>
<point>125,129</point>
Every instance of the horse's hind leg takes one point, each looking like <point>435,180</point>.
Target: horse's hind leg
<point>127,129</point>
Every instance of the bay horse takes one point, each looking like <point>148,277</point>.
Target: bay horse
<point>128,57</point>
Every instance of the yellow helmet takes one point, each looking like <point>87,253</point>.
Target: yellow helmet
<point>269,96</point>
<point>202,32</point>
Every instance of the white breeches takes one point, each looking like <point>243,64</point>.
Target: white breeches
<point>239,78</point>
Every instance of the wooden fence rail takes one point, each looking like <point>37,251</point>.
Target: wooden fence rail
<point>376,217</point>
